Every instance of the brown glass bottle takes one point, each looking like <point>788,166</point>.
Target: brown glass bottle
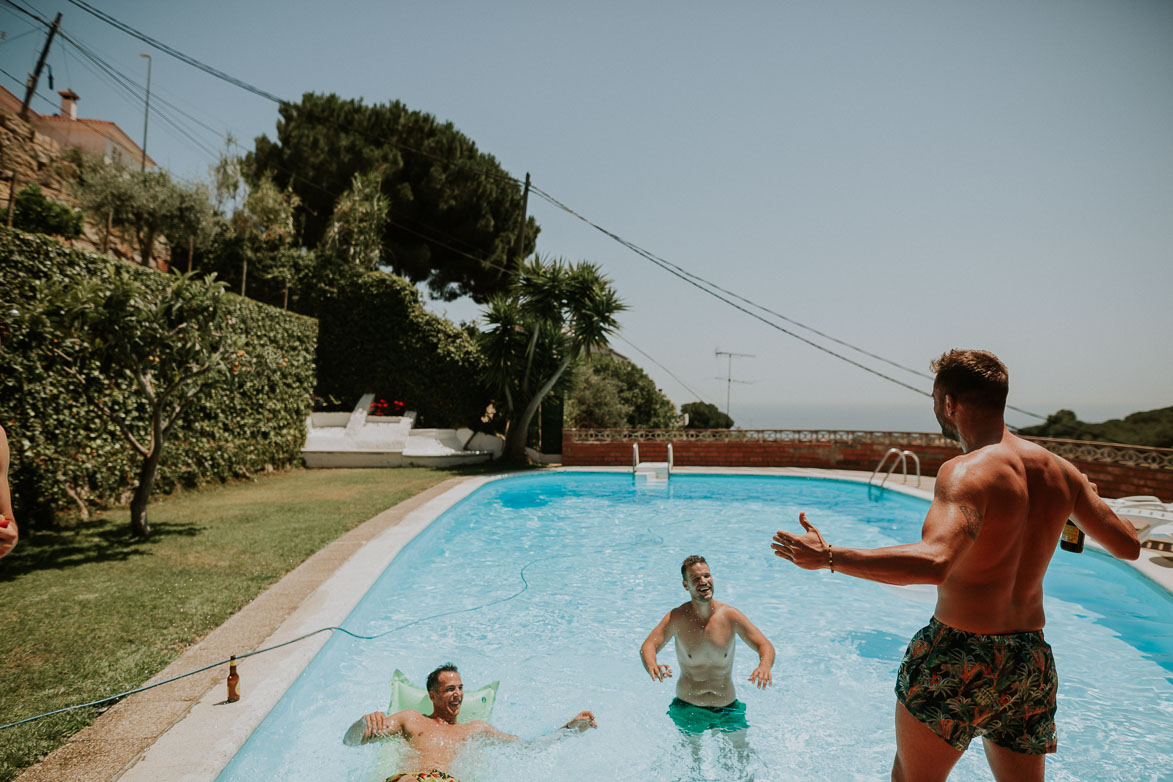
<point>233,681</point>
<point>1072,538</point>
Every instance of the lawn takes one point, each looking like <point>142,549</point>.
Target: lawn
<point>91,611</point>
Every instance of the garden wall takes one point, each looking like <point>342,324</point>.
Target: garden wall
<point>1118,470</point>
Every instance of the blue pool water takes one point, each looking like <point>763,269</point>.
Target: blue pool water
<point>549,583</point>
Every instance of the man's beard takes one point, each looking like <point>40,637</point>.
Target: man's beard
<point>948,431</point>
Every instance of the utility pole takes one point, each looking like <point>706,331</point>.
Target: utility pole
<point>147,112</point>
<point>521,228</point>
<point>32,82</point>
<point>729,381</point>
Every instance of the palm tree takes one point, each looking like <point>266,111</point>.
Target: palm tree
<point>554,314</point>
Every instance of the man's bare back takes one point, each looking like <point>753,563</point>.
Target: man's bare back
<point>1016,497</point>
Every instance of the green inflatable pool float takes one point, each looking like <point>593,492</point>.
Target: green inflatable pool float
<point>477,705</point>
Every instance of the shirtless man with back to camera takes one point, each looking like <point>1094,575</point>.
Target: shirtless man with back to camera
<point>981,666</point>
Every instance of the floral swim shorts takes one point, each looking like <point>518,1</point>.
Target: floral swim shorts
<point>962,684</point>
<point>434,775</point>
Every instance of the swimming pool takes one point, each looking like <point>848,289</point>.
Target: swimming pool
<point>559,577</point>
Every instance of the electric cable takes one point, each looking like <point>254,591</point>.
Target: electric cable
<point>695,280</point>
<point>661,366</point>
<point>524,588</point>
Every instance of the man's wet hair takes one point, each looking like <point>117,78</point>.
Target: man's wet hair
<point>434,676</point>
<point>695,559</point>
<point>974,377</point>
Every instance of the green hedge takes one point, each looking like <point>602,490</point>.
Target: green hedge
<point>65,454</point>
<point>375,336</point>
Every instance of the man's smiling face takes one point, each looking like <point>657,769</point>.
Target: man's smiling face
<point>699,582</point>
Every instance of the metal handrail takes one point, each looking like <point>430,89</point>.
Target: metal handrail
<point>903,456</point>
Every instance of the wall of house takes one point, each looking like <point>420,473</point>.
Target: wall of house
<point>35,158</point>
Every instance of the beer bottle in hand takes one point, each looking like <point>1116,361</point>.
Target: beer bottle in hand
<point>1072,538</point>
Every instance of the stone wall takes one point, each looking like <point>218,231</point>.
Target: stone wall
<point>1118,470</point>
<point>34,158</point>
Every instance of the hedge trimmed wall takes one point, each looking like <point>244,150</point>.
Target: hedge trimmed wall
<point>375,336</point>
<point>257,423</point>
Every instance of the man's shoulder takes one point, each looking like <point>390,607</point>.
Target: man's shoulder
<point>408,715</point>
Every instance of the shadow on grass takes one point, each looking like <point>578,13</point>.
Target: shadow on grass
<point>63,549</point>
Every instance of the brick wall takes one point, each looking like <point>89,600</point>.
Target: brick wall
<point>1113,479</point>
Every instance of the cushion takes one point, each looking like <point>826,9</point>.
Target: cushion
<point>477,705</point>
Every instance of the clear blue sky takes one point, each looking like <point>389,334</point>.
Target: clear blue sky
<point>906,176</point>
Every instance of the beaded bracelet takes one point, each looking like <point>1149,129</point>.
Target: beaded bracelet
<point>830,558</point>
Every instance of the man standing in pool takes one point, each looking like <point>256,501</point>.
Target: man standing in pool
<point>436,739</point>
<point>981,666</point>
<point>705,631</point>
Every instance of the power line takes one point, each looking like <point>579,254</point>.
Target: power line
<point>661,366</point>
<point>701,283</point>
<point>193,62</point>
<point>697,283</point>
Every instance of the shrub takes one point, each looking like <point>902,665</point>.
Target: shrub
<point>34,213</point>
<point>64,453</point>
<point>374,335</point>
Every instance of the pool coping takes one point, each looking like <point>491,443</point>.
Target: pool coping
<point>185,730</point>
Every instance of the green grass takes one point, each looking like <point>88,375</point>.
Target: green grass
<point>91,611</point>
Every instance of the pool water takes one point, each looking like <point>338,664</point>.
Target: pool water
<point>550,583</point>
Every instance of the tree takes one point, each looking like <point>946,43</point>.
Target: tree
<point>454,211</point>
<point>594,403</point>
<point>265,224</point>
<point>141,354</point>
<point>703,415</point>
<point>143,202</point>
<point>192,223</point>
<point>611,391</point>
<point>554,314</point>
<point>355,233</point>
<point>226,177</point>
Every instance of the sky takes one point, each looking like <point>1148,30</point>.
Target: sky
<point>906,177</point>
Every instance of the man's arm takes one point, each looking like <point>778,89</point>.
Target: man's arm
<point>584,720</point>
<point>9,533</point>
<point>951,526</point>
<point>376,725</point>
<point>1093,516</point>
<point>655,641</point>
<point>755,639</point>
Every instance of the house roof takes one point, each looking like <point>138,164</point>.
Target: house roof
<point>100,126</point>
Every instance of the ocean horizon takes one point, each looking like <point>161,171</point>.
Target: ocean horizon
<point>901,417</point>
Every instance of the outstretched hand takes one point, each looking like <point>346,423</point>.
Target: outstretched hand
<point>377,724</point>
<point>761,677</point>
<point>584,720</point>
<point>808,551</point>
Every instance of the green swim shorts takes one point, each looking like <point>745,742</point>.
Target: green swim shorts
<point>962,684</point>
<point>693,719</point>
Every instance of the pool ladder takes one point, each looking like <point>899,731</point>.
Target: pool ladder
<point>654,470</point>
<point>903,457</point>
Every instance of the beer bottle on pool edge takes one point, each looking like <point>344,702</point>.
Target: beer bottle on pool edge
<point>233,681</point>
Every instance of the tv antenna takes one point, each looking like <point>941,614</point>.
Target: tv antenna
<point>729,381</point>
